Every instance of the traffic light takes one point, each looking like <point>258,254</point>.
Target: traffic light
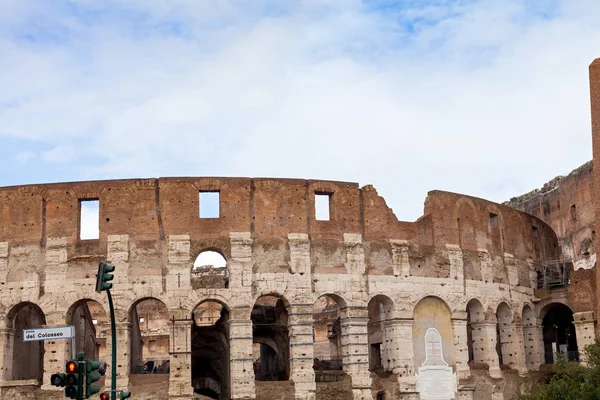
<point>72,381</point>
<point>104,396</point>
<point>58,380</point>
<point>124,395</point>
<point>103,276</point>
<point>91,376</point>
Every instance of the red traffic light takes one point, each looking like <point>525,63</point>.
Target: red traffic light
<point>103,396</point>
<point>71,366</point>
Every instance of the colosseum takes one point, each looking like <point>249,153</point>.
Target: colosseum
<point>257,288</point>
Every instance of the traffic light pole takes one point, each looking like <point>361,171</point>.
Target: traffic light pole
<point>113,331</point>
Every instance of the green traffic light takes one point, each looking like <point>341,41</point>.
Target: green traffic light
<point>103,276</point>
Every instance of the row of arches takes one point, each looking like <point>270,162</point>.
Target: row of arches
<point>151,320</point>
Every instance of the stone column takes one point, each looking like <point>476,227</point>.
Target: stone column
<point>513,348</point>
<point>400,258</point>
<point>457,267</point>
<point>123,330</point>
<point>355,351</point>
<point>240,265</point>
<point>180,342</point>
<point>300,325</point>
<point>585,332</point>
<point>56,352</point>
<point>355,254</point>
<point>7,336</point>
<point>461,347</point>
<point>241,363</point>
<point>397,335</point>
<point>3,261</point>
<point>533,344</point>
<point>484,346</point>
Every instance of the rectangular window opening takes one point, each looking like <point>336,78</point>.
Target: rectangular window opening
<point>574,212</point>
<point>322,206</point>
<point>89,219</point>
<point>209,204</point>
<point>494,226</point>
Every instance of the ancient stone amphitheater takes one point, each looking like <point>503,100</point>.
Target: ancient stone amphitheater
<point>304,306</point>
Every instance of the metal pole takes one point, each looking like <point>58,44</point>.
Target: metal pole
<point>113,331</point>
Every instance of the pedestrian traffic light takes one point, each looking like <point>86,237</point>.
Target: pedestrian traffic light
<point>103,276</point>
<point>124,395</point>
<point>91,376</point>
<point>104,396</point>
<point>72,382</point>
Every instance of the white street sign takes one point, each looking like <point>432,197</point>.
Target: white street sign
<point>60,332</point>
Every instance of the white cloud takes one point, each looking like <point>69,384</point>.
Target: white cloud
<point>482,97</point>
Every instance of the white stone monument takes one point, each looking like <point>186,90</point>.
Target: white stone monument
<point>435,379</point>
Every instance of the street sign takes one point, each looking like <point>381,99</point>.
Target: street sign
<point>57,333</point>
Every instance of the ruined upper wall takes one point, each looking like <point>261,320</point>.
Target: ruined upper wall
<point>149,210</point>
<point>565,203</point>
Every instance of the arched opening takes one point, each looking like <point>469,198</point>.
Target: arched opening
<point>503,333</point>
<point>559,333</point>
<point>432,312</point>
<point>475,339</point>
<point>92,326</point>
<point>210,350</point>
<point>528,341</point>
<point>210,271</point>
<point>327,335</point>
<point>149,337</point>
<point>380,338</point>
<point>270,339</point>
<point>27,356</point>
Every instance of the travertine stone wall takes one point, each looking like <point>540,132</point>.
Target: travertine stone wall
<point>267,231</point>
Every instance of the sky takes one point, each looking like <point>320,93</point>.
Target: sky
<point>483,97</point>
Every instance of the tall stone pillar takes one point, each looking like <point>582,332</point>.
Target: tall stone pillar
<point>7,336</point>
<point>123,331</point>
<point>484,346</point>
<point>585,332</point>
<point>241,363</point>
<point>300,325</point>
<point>457,267</point>
<point>180,341</point>
<point>461,348</point>
<point>397,336</point>
<point>355,351</point>
<point>533,344</point>
<point>513,348</point>
<point>56,352</point>
<point>400,258</point>
<point>240,265</point>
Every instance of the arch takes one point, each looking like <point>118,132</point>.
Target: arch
<point>73,307</point>
<point>210,346</point>
<point>137,301</point>
<point>432,312</point>
<point>503,333</point>
<point>528,316</point>
<point>558,333</point>
<point>150,335</point>
<point>338,298</point>
<point>27,357</point>
<point>427,296</point>
<point>327,332</point>
<point>380,337</point>
<point>89,318</point>
<point>504,313</point>
<point>193,300</point>
<point>475,314</point>
<point>548,305</point>
<point>210,257</point>
<point>270,337</point>
<point>15,309</point>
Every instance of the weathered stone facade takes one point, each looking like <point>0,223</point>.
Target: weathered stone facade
<point>467,268</point>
